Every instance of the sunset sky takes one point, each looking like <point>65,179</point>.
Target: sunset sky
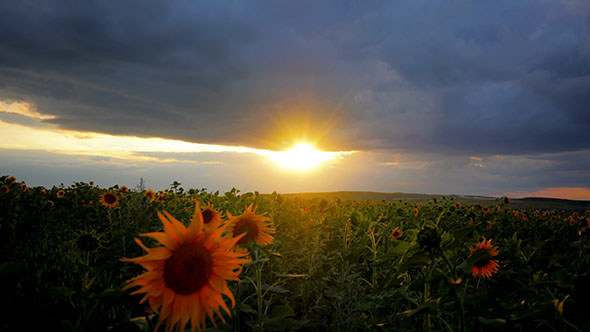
<point>448,97</point>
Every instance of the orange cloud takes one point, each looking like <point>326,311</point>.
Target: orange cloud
<point>575,193</point>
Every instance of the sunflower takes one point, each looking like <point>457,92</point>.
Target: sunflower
<point>11,180</point>
<point>485,209</point>
<point>396,233</point>
<point>4,190</point>
<point>61,193</point>
<point>211,217</point>
<point>124,189</point>
<point>458,205</point>
<point>49,204</point>
<point>485,268</point>
<point>108,200</point>
<point>415,212</point>
<point>43,192</point>
<point>256,227</point>
<point>185,278</point>
<point>150,194</point>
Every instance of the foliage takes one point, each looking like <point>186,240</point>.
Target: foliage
<point>332,266</point>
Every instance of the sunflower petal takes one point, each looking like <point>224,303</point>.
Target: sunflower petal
<point>163,238</point>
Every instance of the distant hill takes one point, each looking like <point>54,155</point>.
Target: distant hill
<point>515,203</point>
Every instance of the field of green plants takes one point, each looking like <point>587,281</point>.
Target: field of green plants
<point>333,265</point>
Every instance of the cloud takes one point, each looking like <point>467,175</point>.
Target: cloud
<point>23,108</point>
<point>466,78</point>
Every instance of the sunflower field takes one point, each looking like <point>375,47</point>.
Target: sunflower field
<point>85,258</point>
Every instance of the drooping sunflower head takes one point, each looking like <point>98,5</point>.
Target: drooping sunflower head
<point>109,199</point>
<point>211,217</point>
<point>255,227</point>
<point>396,233</point>
<point>49,204</point>
<point>186,278</point>
<point>88,241</point>
<point>61,193</point>
<point>485,267</point>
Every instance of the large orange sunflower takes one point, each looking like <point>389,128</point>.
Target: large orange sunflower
<point>186,277</point>
<point>256,227</point>
<point>109,200</point>
<point>485,268</point>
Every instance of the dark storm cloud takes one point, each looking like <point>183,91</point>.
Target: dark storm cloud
<point>508,77</point>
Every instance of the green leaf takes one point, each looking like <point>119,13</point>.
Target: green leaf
<point>477,256</point>
<point>278,314</point>
<point>62,291</point>
<point>430,306</point>
<point>108,294</point>
<point>279,289</point>
<point>491,321</point>
<point>418,259</point>
<point>247,309</point>
<point>400,248</point>
<point>461,234</point>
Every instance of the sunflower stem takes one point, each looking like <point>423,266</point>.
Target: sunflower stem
<point>462,307</point>
<point>448,262</point>
<point>259,294</point>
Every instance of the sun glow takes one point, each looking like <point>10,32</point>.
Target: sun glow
<point>303,156</point>
<point>47,137</point>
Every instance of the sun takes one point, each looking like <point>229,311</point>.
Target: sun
<point>301,157</point>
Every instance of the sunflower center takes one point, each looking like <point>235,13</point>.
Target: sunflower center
<point>246,226</point>
<point>110,198</point>
<point>207,216</point>
<point>188,269</point>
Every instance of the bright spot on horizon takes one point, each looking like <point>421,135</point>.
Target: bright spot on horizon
<point>302,157</point>
<point>71,142</point>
